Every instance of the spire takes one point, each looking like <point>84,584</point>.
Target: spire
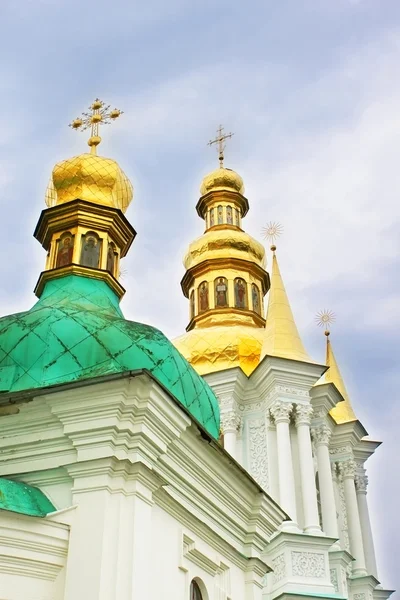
<point>342,412</point>
<point>281,335</point>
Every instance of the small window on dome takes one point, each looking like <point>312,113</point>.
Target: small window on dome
<point>212,222</point>
<point>111,258</point>
<point>237,217</point>
<point>203,296</point>
<point>90,252</point>
<point>195,592</point>
<point>255,296</point>
<point>191,302</point>
<point>229,218</point>
<point>221,292</point>
<point>65,249</point>
<point>240,293</point>
<point>220,215</point>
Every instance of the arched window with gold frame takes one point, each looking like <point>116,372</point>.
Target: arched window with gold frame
<point>237,217</point>
<point>90,250</point>
<point>65,250</point>
<point>111,258</point>
<point>191,303</point>
<point>212,220</point>
<point>203,296</point>
<point>220,210</point>
<point>229,217</point>
<point>255,297</point>
<point>221,292</point>
<point>240,288</point>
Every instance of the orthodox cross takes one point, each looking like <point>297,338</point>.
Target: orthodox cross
<point>220,139</point>
<point>99,113</point>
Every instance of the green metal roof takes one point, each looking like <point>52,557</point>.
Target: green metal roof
<point>25,499</point>
<point>77,331</point>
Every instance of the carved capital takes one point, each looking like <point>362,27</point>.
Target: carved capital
<point>347,468</point>
<point>361,482</point>
<point>303,414</point>
<point>281,411</point>
<point>321,434</point>
<point>230,421</point>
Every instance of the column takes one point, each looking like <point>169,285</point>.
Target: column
<point>230,422</point>
<point>361,482</point>
<point>280,411</point>
<point>322,435</point>
<point>308,487</point>
<point>348,470</point>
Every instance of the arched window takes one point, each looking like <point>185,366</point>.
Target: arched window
<point>65,249</point>
<point>212,222</point>
<point>229,218</point>
<point>221,292</point>
<point>191,302</point>
<point>203,296</point>
<point>90,252</point>
<point>220,215</point>
<point>240,293</point>
<point>111,256</point>
<point>237,217</point>
<point>195,592</point>
<point>255,296</point>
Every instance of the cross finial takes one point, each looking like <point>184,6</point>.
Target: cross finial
<point>220,139</point>
<point>99,113</point>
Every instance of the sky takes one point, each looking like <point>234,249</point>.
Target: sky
<point>311,90</point>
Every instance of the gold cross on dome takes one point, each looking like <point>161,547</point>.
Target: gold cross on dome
<point>220,139</point>
<point>99,113</point>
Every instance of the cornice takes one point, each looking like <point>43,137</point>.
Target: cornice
<point>81,271</point>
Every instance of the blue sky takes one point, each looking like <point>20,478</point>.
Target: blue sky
<point>312,92</point>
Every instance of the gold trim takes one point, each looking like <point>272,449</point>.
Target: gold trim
<point>215,264</point>
<point>81,271</point>
<point>212,196</point>
<point>230,314</point>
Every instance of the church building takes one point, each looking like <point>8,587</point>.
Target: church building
<point>223,465</point>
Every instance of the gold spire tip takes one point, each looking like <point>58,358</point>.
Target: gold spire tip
<point>219,140</point>
<point>271,232</point>
<point>324,318</point>
<point>99,113</point>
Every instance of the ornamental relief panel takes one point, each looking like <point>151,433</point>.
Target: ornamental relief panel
<point>279,567</point>
<point>308,564</point>
<point>343,520</point>
<point>258,451</point>
<point>334,579</point>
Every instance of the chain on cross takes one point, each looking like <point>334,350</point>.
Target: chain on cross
<point>220,139</point>
<point>100,113</point>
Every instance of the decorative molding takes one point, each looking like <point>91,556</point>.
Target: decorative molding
<point>308,564</point>
<point>360,596</point>
<point>197,557</point>
<point>258,452</point>
<point>341,450</point>
<point>253,406</point>
<point>284,389</point>
<point>334,579</point>
<point>343,518</point>
<point>230,421</point>
<point>279,567</point>
<point>303,414</point>
<point>361,482</point>
<point>281,411</point>
<point>321,434</point>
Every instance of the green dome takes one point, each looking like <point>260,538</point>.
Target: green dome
<point>77,331</point>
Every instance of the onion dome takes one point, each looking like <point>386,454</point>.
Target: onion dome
<point>89,177</point>
<point>76,331</point>
<point>222,179</point>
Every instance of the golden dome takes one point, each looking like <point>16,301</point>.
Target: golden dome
<point>92,178</point>
<point>212,349</point>
<point>222,179</point>
<point>224,243</point>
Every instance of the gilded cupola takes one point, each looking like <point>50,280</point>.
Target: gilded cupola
<point>84,229</point>
<point>225,279</point>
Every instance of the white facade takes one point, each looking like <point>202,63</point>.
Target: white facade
<point>148,502</point>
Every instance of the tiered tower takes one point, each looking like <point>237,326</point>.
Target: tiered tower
<point>225,279</point>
